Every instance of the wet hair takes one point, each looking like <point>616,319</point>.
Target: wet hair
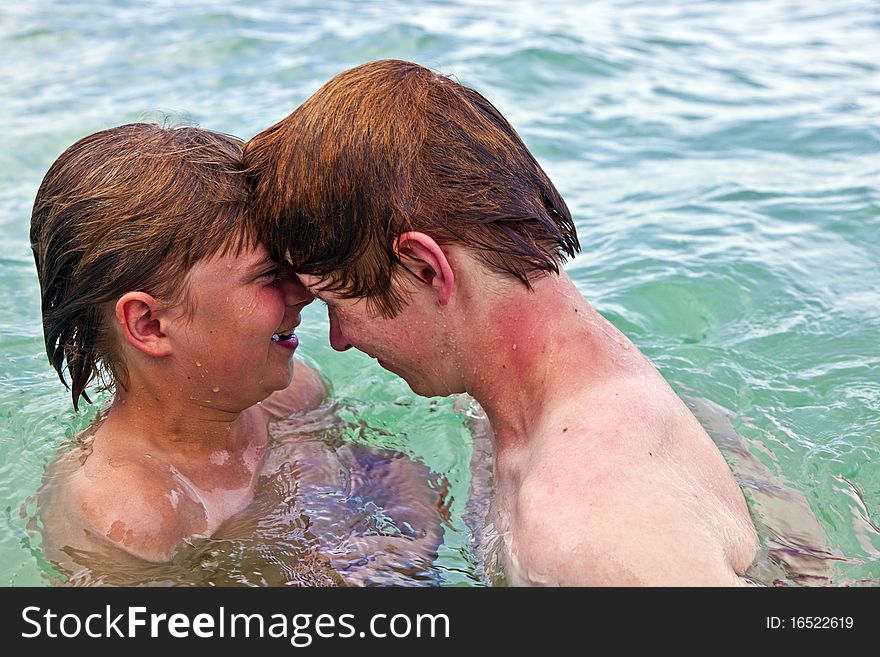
<point>388,147</point>
<point>131,208</point>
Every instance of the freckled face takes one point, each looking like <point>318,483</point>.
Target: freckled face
<point>410,344</point>
<point>236,338</point>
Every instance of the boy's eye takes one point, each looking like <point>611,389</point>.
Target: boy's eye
<point>276,273</point>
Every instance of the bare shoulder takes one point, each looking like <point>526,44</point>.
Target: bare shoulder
<point>606,538</point>
<point>626,488</point>
<point>137,506</point>
<point>308,389</point>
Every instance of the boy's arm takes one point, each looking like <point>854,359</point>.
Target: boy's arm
<point>308,389</point>
<point>417,502</point>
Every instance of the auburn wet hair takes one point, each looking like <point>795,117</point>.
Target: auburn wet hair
<point>388,147</point>
<point>131,208</point>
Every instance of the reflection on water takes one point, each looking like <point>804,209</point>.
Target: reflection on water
<point>719,158</point>
<point>325,513</point>
<point>794,548</point>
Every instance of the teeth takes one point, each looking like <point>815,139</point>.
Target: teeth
<point>282,337</point>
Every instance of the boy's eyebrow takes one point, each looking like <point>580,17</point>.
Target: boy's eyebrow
<point>258,268</point>
<point>259,264</point>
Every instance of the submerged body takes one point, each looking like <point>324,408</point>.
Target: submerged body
<point>602,475</point>
<point>148,494</point>
<point>320,512</point>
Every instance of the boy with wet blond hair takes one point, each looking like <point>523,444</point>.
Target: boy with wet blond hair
<point>153,283</point>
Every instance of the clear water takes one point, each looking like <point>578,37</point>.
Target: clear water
<point>721,160</point>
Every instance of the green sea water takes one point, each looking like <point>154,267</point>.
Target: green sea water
<point>721,160</point>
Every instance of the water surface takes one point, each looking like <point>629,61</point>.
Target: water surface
<point>721,160</point>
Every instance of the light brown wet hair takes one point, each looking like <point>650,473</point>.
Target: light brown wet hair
<point>131,208</point>
<point>388,147</point>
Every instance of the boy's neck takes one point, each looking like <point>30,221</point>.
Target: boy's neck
<point>540,348</point>
<point>183,428</point>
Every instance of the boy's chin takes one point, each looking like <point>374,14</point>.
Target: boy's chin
<point>285,381</point>
<point>425,388</point>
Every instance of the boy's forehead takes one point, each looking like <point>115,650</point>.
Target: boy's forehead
<point>254,256</point>
<point>318,285</point>
<point>310,281</point>
<point>244,261</point>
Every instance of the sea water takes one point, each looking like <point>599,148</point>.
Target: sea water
<point>721,161</point>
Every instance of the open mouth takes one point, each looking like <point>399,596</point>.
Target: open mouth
<point>286,339</point>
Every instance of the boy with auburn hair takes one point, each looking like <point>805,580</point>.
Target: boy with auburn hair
<point>412,208</point>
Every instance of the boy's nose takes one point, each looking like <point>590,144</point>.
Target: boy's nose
<point>295,292</point>
<point>337,339</point>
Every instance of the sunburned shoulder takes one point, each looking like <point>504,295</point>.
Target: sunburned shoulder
<point>630,418</point>
<point>137,506</point>
<point>622,399</point>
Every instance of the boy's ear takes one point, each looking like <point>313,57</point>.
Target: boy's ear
<point>142,323</point>
<point>424,258</point>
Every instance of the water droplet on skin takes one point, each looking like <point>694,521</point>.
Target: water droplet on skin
<point>215,389</point>
<point>514,346</point>
<point>219,457</point>
<point>198,364</point>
